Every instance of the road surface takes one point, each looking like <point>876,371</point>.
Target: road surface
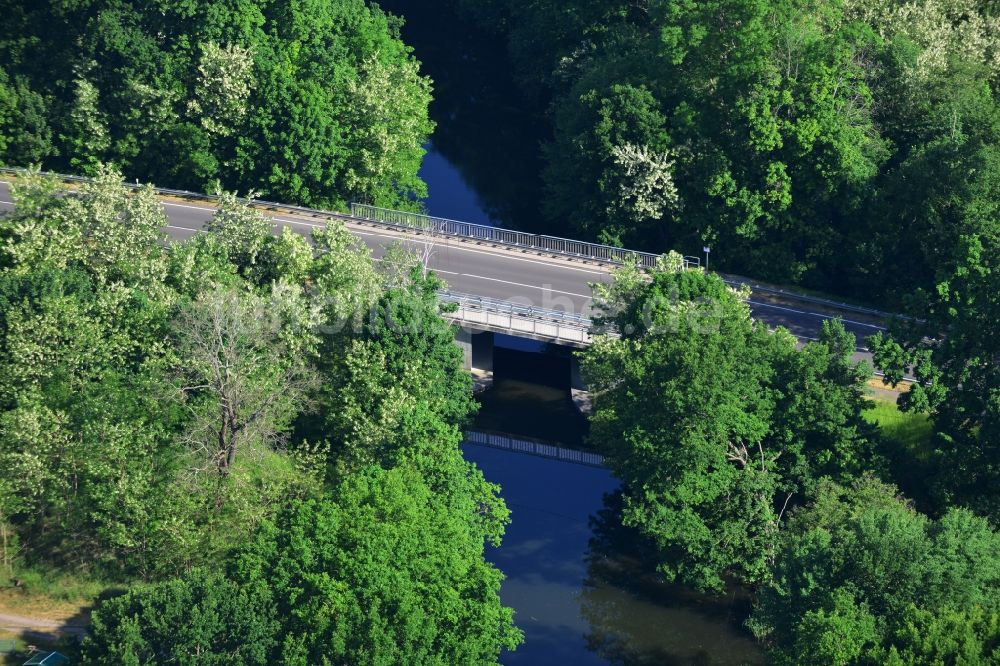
<point>520,276</point>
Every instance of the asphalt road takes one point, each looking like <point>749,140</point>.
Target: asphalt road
<point>520,276</point>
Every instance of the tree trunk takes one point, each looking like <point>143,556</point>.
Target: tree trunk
<point>223,443</point>
<point>7,562</point>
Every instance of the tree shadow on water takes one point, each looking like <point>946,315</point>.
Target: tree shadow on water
<point>636,618</point>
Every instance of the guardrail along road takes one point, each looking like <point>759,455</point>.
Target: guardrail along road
<point>529,276</point>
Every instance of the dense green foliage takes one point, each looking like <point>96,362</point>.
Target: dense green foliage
<point>862,578</point>
<point>258,434</point>
<point>837,143</point>
<point>312,102</point>
<point>847,145</point>
<point>233,424</point>
<point>202,618</point>
<point>715,424</point>
<point>376,572</point>
<point>382,572</point>
<point>954,351</point>
<point>744,457</point>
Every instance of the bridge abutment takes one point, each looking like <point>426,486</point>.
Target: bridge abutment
<point>477,351</point>
<point>463,338</point>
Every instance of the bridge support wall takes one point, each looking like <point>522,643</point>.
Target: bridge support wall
<point>578,390</point>
<point>482,352</point>
<point>477,352</point>
<point>463,338</point>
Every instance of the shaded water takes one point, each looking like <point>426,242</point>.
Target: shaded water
<point>582,588</point>
<point>530,396</point>
<point>486,127</point>
<point>531,410</point>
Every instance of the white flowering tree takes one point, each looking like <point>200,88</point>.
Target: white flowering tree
<point>388,117</point>
<point>647,190</point>
<point>222,91</point>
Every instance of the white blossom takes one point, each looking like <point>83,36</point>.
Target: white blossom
<point>225,79</point>
<point>648,190</point>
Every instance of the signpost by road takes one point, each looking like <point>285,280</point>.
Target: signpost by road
<point>707,249</point>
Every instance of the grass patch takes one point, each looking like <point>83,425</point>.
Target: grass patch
<point>48,607</point>
<point>52,584</point>
<point>906,446</point>
<point>907,430</point>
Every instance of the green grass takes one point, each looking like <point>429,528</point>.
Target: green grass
<point>907,431</point>
<point>58,586</point>
<point>907,449</point>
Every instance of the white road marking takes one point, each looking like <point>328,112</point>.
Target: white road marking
<point>529,286</point>
<point>177,205</point>
<point>817,314</point>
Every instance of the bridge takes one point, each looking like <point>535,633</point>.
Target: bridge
<point>501,280</point>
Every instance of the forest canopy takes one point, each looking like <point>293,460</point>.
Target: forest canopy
<point>847,145</point>
<point>255,435</point>
<point>316,103</point>
<point>252,432</point>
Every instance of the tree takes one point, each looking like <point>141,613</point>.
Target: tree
<point>650,191</point>
<point>389,102</point>
<point>714,424</point>
<point>235,375</point>
<point>88,138</point>
<point>153,420</point>
<point>819,414</point>
<point>311,103</point>
<point>861,575</point>
<point>378,573</point>
<point>25,134</point>
<point>12,491</point>
<point>108,231</point>
<point>225,79</point>
<point>952,349</point>
<point>400,385</point>
<point>202,618</point>
<point>242,230</point>
<point>681,417</point>
<point>85,441</point>
<point>969,636</point>
<point>759,115</point>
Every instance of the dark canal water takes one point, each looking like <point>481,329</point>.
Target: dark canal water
<point>583,588</point>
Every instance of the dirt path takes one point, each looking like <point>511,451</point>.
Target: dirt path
<point>31,624</point>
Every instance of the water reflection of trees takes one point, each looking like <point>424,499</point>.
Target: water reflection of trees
<point>637,619</point>
<point>486,128</point>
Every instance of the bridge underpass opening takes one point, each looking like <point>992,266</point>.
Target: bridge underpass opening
<point>530,395</point>
<point>531,361</point>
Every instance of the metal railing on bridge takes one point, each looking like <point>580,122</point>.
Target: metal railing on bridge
<point>534,447</point>
<point>414,221</point>
<point>518,319</point>
<point>408,221</point>
<point>483,232</point>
